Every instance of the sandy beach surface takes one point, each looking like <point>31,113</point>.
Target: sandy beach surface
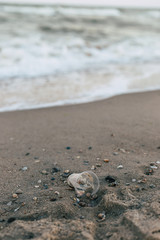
<point>37,147</point>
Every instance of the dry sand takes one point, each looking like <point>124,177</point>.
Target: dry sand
<point>124,129</point>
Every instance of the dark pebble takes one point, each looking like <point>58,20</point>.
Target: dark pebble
<point>45,186</point>
<point>27,154</point>
<point>53,199</point>
<point>110,179</point>
<point>148,171</point>
<point>55,169</point>
<point>52,178</point>
<point>68,148</point>
<point>113,184</point>
<point>82,204</point>
<point>12,219</point>
<point>81,217</point>
<point>158,147</point>
<point>89,148</point>
<point>85,162</point>
<point>36,158</point>
<point>152,186</point>
<point>2,220</point>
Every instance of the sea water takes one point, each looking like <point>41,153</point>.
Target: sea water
<point>56,55</point>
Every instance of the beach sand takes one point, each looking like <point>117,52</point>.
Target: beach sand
<point>33,145</point>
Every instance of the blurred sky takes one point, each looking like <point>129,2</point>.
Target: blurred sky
<point>125,3</point>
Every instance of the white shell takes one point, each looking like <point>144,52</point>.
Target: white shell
<point>85,181</point>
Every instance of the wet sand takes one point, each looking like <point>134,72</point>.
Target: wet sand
<point>35,144</point>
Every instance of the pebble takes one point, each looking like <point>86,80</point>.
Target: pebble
<point>106,160</point>
<point>35,198</point>
<point>9,203</point>
<point>115,153</point>
<point>102,216</point>
<point>68,148</point>
<point>15,195</point>
<point>67,171</point>
<point>55,170</point>
<point>39,181</point>
<point>44,172</point>
<point>127,184</point>
<point>122,150</point>
<point>45,186</point>
<point>56,192</point>
<point>27,154</point>
<point>37,161</point>
<point>90,148</point>
<point>158,162</point>
<point>93,167</point>
<point>85,162</point>
<point>53,199</point>
<point>82,204</point>
<point>154,167</point>
<point>52,178</point>
<point>152,186</point>
<point>88,195</point>
<point>19,191</point>
<point>98,164</point>
<point>36,186</point>
<point>133,180</point>
<point>24,168</point>
<point>78,157</point>
<point>120,167</point>
<point>2,220</point>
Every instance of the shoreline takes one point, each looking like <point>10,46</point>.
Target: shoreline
<point>100,4</point>
<point>123,129</point>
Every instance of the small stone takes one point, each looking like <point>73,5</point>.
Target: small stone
<point>2,220</point>
<point>152,186</point>
<point>55,170</point>
<point>106,160</point>
<point>88,195</point>
<point>24,168</point>
<point>158,162</point>
<point>9,203</point>
<point>158,147</point>
<point>15,195</point>
<point>122,150</point>
<point>36,186</point>
<point>102,216</point>
<point>39,181</point>
<point>27,154</point>
<point>94,196</point>
<point>148,171</point>
<point>120,167</point>
<point>82,204</point>
<point>66,171</point>
<point>81,217</point>
<point>44,172</point>
<point>52,178</point>
<point>115,153</point>
<point>112,135</point>
<point>53,199</point>
<point>37,161</point>
<point>127,184</point>
<point>78,157</point>
<point>35,198</point>
<point>153,167</point>
<point>45,186</point>
<point>19,191</point>
<point>68,148</point>
<point>85,162</point>
<point>90,148</point>
<point>93,167</point>
<point>15,210</point>
<point>98,164</point>
<point>133,180</point>
<point>56,192</point>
